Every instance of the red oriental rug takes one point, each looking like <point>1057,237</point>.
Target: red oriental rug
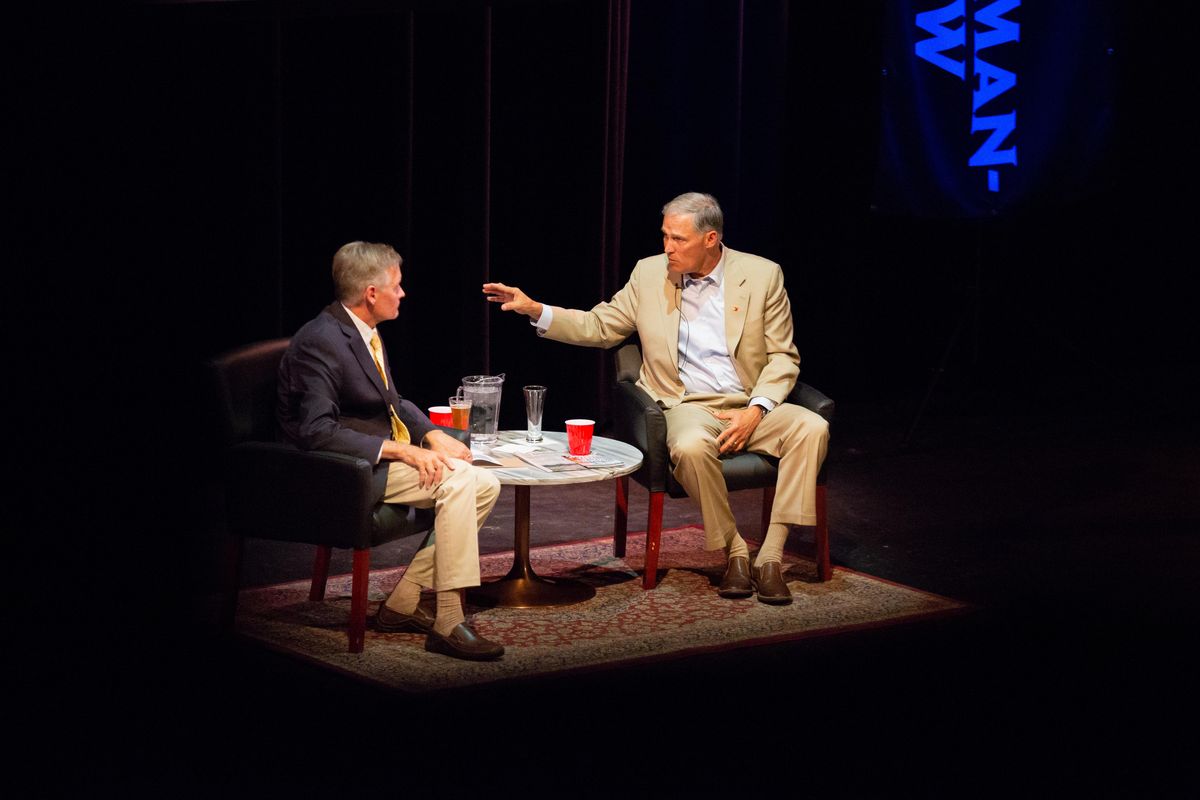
<point>623,623</point>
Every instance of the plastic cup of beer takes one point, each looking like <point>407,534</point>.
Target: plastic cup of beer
<point>579,436</point>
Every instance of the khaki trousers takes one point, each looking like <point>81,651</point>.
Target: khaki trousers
<point>793,434</point>
<point>461,502</point>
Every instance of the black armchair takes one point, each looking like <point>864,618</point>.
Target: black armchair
<point>639,421</point>
<point>276,491</point>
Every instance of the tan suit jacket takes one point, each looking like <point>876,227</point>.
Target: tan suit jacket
<point>758,326</point>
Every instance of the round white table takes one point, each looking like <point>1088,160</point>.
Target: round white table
<point>522,587</point>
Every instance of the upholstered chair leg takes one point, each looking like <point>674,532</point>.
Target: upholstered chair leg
<point>621,516</point>
<point>653,537</point>
<point>821,540</point>
<point>316,592</point>
<point>358,599</point>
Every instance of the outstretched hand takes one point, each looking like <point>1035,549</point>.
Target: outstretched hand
<point>512,298</point>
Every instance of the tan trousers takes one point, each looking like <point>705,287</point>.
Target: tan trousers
<point>793,434</point>
<point>461,502</point>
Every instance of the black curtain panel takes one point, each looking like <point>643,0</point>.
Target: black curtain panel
<point>535,142</point>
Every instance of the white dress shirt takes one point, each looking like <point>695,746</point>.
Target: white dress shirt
<point>705,364</point>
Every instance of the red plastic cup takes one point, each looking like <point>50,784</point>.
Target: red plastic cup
<point>579,436</point>
<point>440,415</point>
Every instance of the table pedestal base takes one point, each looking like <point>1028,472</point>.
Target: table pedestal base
<point>522,587</point>
<point>530,592</point>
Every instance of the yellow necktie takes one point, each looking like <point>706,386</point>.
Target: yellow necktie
<point>399,431</point>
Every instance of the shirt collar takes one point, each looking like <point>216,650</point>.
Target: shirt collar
<point>364,330</point>
<point>716,276</point>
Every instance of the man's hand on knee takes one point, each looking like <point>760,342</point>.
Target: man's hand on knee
<point>427,463</point>
<point>741,425</point>
<point>447,445</point>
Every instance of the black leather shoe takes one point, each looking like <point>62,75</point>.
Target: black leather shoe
<point>769,583</point>
<point>736,582</point>
<point>388,621</point>
<point>463,642</point>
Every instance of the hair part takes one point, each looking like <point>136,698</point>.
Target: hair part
<point>358,265</point>
<point>704,210</point>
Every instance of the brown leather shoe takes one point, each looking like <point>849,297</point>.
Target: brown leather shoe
<point>769,583</point>
<point>463,642</point>
<point>736,582</point>
<point>388,621</point>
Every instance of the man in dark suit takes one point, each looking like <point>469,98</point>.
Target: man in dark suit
<point>336,393</point>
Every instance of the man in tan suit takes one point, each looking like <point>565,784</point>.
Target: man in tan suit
<point>716,332</point>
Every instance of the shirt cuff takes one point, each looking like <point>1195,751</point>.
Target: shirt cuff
<point>542,323</point>
<point>766,403</point>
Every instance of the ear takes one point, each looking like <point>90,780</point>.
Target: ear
<point>711,238</point>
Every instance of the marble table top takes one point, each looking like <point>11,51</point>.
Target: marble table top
<point>556,441</point>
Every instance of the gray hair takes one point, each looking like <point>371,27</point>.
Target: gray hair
<point>358,265</point>
<point>702,208</point>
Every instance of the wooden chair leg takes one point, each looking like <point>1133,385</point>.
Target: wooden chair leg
<point>358,599</point>
<point>653,537</point>
<point>320,576</point>
<point>232,577</point>
<point>621,516</point>
<point>821,538</point>
<point>768,502</point>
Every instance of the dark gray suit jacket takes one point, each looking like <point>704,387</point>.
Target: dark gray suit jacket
<point>332,398</point>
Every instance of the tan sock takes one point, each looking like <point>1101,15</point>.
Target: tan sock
<point>736,547</point>
<point>449,611</point>
<point>772,546</point>
<point>404,597</point>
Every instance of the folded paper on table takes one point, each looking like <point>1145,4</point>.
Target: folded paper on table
<point>515,449</point>
<point>595,460</point>
<point>485,457</point>
<point>550,462</point>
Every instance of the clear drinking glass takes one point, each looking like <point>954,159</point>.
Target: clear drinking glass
<point>535,401</point>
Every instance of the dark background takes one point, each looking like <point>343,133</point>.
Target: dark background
<point>210,157</point>
<point>490,142</point>
<point>534,143</point>
<point>188,169</point>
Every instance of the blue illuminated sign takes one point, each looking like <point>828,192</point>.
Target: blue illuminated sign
<point>971,31</point>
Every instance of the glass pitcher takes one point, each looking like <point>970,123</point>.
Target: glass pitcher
<point>484,393</point>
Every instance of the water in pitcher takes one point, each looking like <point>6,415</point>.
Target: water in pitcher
<point>484,393</point>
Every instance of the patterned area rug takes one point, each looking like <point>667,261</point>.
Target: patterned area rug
<point>621,624</point>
